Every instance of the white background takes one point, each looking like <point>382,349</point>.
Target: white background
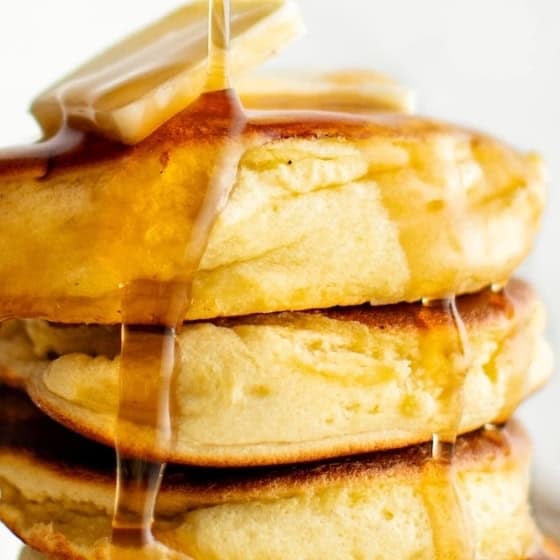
<point>492,64</point>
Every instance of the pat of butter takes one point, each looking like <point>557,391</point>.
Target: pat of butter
<point>352,91</point>
<point>131,89</point>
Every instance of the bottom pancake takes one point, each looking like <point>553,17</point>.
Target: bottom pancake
<point>548,552</point>
<point>58,493</point>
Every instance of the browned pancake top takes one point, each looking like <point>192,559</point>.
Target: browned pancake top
<point>208,120</point>
<point>475,309</point>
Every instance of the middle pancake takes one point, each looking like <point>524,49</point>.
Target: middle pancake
<point>302,386</point>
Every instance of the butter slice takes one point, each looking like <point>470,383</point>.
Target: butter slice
<point>131,89</point>
<point>352,91</point>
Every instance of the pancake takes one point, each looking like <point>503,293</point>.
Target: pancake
<point>18,359</point>
<point>326,210</point>
<point>26,348</point>
<point>550,551</point>
<point>301,386</point>
<point>29,554</point>
<point>58,492</point>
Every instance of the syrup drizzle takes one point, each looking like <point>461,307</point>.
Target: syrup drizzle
<point>149,353</point>
<point>451,534</point>
<point>219,18</point>
<point>146,368</point>
<point>35,158</point>
<point>64,141</point>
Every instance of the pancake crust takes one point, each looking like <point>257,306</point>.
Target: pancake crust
<point>60,504</point>
<point>326,210</point>
<point>301,386</point>
<point>29,554</point>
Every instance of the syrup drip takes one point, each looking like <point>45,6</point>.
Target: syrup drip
<point>218,45</point>
<point>451,534</point>
<point>65,141</point>
<point>149,353</point>
<point>146,368</point>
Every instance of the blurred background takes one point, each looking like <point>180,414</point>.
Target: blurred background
<point>490,65</point>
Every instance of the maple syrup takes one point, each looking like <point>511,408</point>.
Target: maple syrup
<point>451,534</point>
<point>146,368</point>
<point>148,354</point>
<point>34,158</point>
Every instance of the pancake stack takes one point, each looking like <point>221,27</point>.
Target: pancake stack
<point>350,359</point>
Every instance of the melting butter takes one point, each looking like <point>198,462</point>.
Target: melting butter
<point>131,89</point>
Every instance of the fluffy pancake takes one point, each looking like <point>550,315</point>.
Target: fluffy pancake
<point>26,348</point>
<point>58,492</point>
<point>326,210</point>
<point>549,552</point>
<point>308,385</point>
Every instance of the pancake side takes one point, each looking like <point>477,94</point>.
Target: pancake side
<point>30,554</point>
<point>27,348</point>
<point>18,359</point>
<point>326,510</point>
<point>327,209</point>
<point>304,386</point>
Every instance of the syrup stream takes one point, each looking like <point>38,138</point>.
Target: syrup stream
<point>219,18</point>
<point>451,534</point>
<point>149,353</point>
<point>148,356</point>
<point>147,363</point>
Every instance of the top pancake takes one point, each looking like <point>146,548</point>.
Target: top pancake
<point>326,210</point>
